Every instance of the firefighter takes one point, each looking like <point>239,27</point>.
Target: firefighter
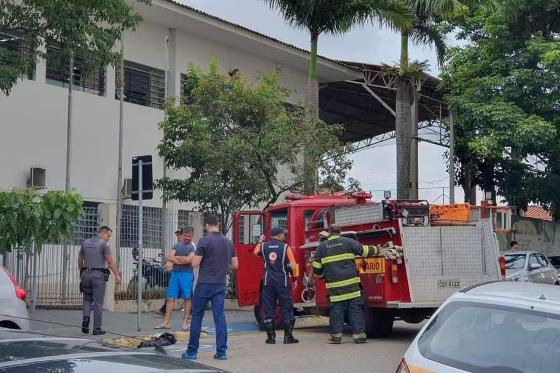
<point>278,262</point>
<point>334,261</point>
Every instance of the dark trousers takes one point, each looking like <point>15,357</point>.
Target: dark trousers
<point>283,294</point>
<point>354,309</point>
<point>215,294</point>
<point>93,287</point>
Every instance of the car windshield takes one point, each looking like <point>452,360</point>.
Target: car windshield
<point>516,261</point>
<point>484,338</point>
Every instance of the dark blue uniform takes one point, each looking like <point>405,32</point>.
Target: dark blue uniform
<point>278,263</point>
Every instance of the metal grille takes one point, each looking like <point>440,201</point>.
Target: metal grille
<point>353,215</point>
<point>143,85</point>
<point>16,51</point>
<point>85,79</point>
<point>463,255</point>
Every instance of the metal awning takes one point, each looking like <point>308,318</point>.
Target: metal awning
<point>366,107</point>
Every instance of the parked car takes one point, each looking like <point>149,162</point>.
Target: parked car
<point>13,311</point>
<point>529,266</point>
<point>555,260</point>
<point>25,352</point>
<point>497,327</point>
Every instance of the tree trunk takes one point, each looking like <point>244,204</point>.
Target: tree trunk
<point>402,124</point>
<point>414,177</point>
<point>469,185</point>
<point>312,114</point>
<point>403,137</point>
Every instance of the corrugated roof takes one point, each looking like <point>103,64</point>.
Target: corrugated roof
<point>537,212</point>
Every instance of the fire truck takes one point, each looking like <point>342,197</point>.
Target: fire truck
<point>427,253</point>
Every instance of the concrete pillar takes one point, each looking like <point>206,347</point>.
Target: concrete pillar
<point>108,217</point>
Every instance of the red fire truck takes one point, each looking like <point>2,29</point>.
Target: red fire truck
<point>423,260</point>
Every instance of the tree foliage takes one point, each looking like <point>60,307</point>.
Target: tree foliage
<point>27,217</point>
<point>86,28</point>
<point>240,144</point>
<point>503,87</point>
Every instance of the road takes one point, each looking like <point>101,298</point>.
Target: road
<point>249,353</point>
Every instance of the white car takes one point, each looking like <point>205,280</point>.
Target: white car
<point>529,266</point>
<point>497,327</point>
<point>13,311</point>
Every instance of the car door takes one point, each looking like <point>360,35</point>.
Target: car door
<point>548,270</point>
<point>535,269</point>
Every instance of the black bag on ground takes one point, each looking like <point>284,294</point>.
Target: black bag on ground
<point>166,339</point>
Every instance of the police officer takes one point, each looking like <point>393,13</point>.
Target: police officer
<point>91,262</point>
<point>278,262</point>
<point>334,261</point>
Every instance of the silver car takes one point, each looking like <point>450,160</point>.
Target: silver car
<point>529,266</point>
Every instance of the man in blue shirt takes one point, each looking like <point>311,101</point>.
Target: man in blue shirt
<point>215,255</point>
<point>181,281</point>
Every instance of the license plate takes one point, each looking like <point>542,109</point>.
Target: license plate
<point>370,266</point>
<point>446,284</point>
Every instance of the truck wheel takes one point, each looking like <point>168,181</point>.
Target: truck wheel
<point>259,315</point>
<point>379,322</point>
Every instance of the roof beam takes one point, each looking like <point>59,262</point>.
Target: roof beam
<point>385,105</point>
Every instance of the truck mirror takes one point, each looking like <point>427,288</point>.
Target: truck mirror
<point>387,194</point>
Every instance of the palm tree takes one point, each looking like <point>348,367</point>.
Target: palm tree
<point>334,17</point>
<point>423,30</point>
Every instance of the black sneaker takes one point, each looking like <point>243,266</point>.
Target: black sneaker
<point>98,332</point>
<point>334,340</point>
<point>85,325</point>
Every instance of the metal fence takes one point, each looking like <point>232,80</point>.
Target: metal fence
<point>57,265</point>
<point>159,228</point>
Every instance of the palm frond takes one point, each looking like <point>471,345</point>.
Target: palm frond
<point>426,8</point>
<point>426,32</point>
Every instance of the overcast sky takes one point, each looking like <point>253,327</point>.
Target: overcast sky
<point>375,168</point>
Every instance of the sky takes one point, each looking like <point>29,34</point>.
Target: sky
<point>375,168</point>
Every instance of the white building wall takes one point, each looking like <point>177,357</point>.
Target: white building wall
<point>33,117</point>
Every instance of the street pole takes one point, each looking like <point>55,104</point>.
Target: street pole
<point>451,159</point>
<point>34,279</point>
<point>413,194</point>
<point>164,213</point>
<point>68,168</point>
<point>120,161</point>
<point>140,254</point>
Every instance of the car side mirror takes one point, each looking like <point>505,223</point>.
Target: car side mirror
<point>534,266</point>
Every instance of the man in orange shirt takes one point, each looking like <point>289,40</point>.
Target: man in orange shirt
<point>278,262</point>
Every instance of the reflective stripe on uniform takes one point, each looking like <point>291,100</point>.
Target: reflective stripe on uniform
<point>334,237</point>
<point>336,258</point>
<point>340,298</point>
<point>317,264</point>
<point>366,250</point>
<point>339,284</point>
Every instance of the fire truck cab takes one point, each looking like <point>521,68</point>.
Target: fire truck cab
<point>419,266</point>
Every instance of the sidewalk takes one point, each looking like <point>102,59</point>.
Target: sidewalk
<point>46,321</point>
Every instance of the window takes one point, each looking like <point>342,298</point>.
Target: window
<point>279,219</point>
<point>16,51</point>
<point>86,79</point>
<point>542,259</point>
<point>143,85</point>
<point>515,261</point>
<point>478,337</point>
<point>533,261</point>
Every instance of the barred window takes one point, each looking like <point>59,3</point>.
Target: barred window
<point>85,80</point>
<point>14,50</point>
<point>152,227</point>
<point>143,85</point>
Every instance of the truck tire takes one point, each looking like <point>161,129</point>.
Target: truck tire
<point>379,322</point>
<point>258,312</point>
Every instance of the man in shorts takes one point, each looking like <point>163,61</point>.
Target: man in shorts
<point>181,281</point>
